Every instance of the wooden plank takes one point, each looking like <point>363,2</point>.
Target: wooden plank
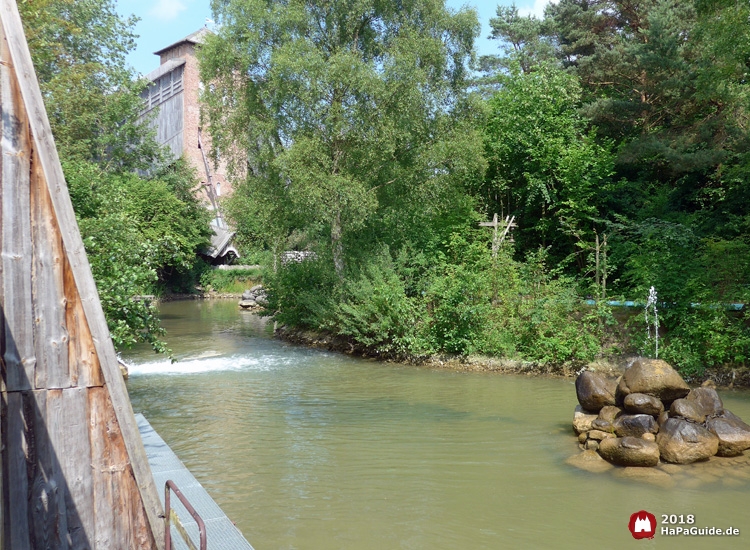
<point>115,487</point>
<point>51,337</point>
<point>68,430</point>
<point>19,453</point>
<point>3,447</point>
<point>47,487</point>
<point>82,358</point>
<point>101,462</point>
<point>42,136</point>
<point>16,237</point>
<point>3,372</point>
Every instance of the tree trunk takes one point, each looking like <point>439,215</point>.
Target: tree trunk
<point>338,247</point>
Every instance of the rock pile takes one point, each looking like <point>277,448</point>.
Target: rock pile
<point>650,414</point>
<point>254,298</point>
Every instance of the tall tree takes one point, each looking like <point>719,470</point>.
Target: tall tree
<point>524,41</point>
<point>544,165</point>
<point>327,106</point>
<point>79,48</point>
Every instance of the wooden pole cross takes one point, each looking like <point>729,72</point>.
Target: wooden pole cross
<point>497,239</point>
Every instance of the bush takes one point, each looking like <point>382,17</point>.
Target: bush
<point>376,312</point>
<point>302,294</point>
<point>233,281</point>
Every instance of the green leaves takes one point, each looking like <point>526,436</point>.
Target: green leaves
<point>543,165</point>
<point>335,106</point>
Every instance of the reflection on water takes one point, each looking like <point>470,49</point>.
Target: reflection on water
<point>311,450</point>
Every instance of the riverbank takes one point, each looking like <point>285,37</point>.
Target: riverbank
<point>199,296</point>
<point>613,366</point>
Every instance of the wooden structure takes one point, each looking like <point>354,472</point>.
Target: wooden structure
<point>499,236</point>
<point>74,469</point>
<point>172,108</point>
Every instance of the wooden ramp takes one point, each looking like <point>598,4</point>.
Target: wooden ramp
<point>74,470</point>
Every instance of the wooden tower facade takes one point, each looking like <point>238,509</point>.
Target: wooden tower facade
<point>74,473</point>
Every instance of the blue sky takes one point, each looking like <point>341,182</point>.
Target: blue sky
<point>163,22</point>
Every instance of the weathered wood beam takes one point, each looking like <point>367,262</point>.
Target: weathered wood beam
<point>19,357</point>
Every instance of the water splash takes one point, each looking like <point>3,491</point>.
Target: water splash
<point>651,303</point>
<point>201,364</point>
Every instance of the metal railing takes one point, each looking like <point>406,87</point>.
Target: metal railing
<point>171,517</point>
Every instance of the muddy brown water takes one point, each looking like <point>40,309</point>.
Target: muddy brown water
<point>310,450</point>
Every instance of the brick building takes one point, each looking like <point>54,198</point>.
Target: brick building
<point>173,101</point>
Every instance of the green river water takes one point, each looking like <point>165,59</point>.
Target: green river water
<point>311,450</point>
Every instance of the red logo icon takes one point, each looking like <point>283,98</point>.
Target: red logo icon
<point>642,525</point>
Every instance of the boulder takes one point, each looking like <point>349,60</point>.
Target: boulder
<point>594,391</point>
<point>689,410</point>
<point>640,403</point>
<point>635,425</point>
<point>591,444</point>
<point>256,288</point>
<point>629,451</point>
<point>248,295</point>
<point>652,476</point>
<point>603,425</point>
<point>582,420</point>
<point>682,442</point>
<point>707,399</point>
<point>653,377</point>
<point>663,417</point>
<point>247,304</point>
<point>599,435</point>
<point>589,461</point>
<point>609,413</point>
<point>733,434</point>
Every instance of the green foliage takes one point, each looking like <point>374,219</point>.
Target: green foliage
<point>137,234</point>
<point>302,294</point>
<point>354,132</point>
<point>230,281</point>
<point>79,48</point>
<point>140,233</point>
<point>543,164</point>
<point>376,311</point>
<point>339,106</point>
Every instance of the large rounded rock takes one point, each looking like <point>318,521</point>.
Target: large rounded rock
<point>689,410</point>
<point>590,461</point>
<point>707,399</point>
<point>582,420</point>
<point>653,377</point>
<point>629,451</point>
<point>599,435</point>
<point>733,434</point>
<point>682,442</point>
<point>609,413</point>
<point>640,403</point>
<point>594,391</point>
<point>635,425</point>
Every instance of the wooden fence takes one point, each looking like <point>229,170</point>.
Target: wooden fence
<point>74,470</point>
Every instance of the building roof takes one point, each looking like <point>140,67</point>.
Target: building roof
<point>194,38</point>
<point>164,68</point>
<point>221,241</point>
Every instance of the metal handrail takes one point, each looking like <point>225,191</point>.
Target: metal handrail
<point>178,525</point>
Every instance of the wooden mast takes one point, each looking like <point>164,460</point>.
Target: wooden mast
<point>74,470</point>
